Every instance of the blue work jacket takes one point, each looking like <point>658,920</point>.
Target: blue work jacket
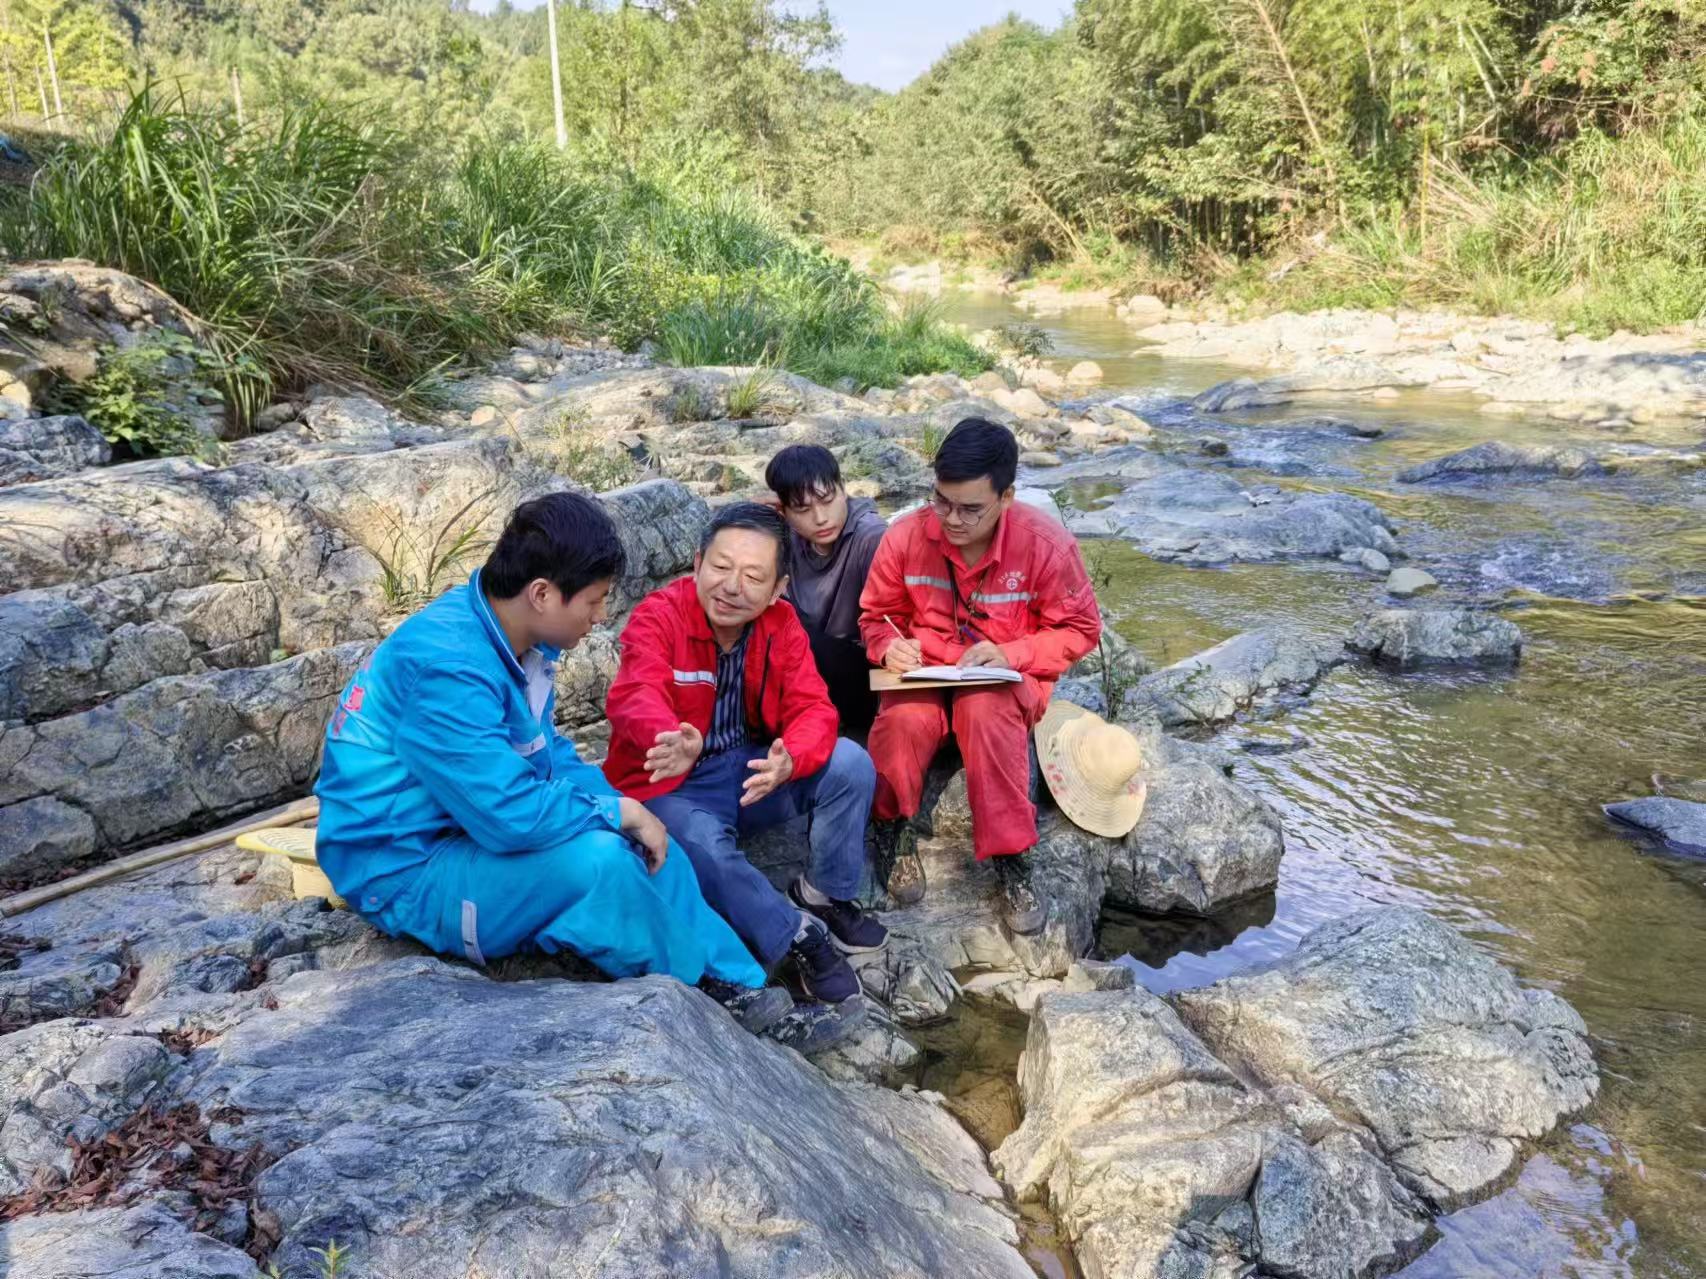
<point>444,733</point>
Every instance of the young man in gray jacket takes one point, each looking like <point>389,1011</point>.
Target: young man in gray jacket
<point>834,538</point>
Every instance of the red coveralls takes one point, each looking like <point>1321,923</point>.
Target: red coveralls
<point>1030,595</point>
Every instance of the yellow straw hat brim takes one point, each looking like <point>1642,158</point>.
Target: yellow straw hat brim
<point>1101,809</point>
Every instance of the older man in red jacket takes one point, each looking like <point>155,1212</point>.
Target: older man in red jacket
<point>721,725</point>
<point>972,580</point>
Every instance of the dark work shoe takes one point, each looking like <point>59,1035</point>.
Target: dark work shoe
<point>853,930</point>
<point>1021,910</point>
<point>898,863</point>
<point>756,1008</point>
<point>815,1028</point>
<point>824,972</point>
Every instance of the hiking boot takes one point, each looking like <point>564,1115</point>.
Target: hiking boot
<point>898,862</point>
<point>853,931</point>
<point>756,1008</point>
<point>824,972</point>
<point>1021,910</point>
<point>813,1028</point>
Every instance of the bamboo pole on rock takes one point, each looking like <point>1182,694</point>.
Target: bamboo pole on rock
<point>53,71</point>
<point>556,76</point>
<point>291,814</point>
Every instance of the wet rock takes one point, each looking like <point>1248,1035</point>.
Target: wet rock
<point>45,448</point>
<point>1216,684</point>
<point>1445,636</point>
<point>1203,841</point>
<point>1679,824</point>
<point>1405,583</point>
<point>1368,559</point>
<point>1496,457</point>
<point>1193,517</point>
<point>1395,1018</point>
<point>145,1242</point>
<point>627,1127</point>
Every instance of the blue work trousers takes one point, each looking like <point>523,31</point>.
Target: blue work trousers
<point>590,894</point>
<point>705,815</point>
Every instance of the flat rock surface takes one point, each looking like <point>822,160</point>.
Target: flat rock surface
<point>1217,683</point>
<point>1496,457</point>
<point>1196,517</point>
<point>457,1125</point>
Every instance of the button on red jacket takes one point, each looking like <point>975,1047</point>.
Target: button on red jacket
<point>1030,587</point>
<point>668,676</point>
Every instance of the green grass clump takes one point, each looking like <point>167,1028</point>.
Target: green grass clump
<point>329,250</point>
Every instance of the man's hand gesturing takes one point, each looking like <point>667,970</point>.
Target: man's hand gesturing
<point>767,773</point>
<point>675,752</point>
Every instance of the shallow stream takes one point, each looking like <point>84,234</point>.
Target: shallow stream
<point>1474,796</point>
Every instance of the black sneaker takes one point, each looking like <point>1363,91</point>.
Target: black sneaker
<point>816,1028</point>
<point>823,971</point>
<point>852,929</point>
<point>756,1008</point>
<point>1021,910</point>
<point>898,863</point>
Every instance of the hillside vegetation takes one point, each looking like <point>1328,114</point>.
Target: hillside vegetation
<point>1540,157</point>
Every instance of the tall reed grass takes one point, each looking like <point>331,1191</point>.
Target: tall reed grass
<point>328,250</point>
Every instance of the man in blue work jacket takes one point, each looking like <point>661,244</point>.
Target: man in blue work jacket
<point>451,812</point>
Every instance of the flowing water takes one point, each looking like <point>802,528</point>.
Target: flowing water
<point>1475,796</point>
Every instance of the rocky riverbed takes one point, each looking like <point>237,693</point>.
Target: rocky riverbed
<point>175,632</point>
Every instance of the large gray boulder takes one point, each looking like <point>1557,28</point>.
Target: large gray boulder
<point>1497,457</point>
<point>1214,685</point>
<point>45,448</point>
<point>1198,517</point>
<point>541,1128</point>
<point>1437,636</point>
<point>1394,1018</point>
<point>1679,824</point>
<point>1307,1120</point>
<point>180,751</point>
<point>137,680</point>
<point>1159,1160</point>
<point>1203,842</point>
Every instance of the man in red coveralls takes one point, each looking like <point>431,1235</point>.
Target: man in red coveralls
<point>972,579</point>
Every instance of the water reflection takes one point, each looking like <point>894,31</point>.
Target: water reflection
<point>1473,796</point>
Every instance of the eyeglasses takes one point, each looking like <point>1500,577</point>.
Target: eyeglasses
<point>970,516</point>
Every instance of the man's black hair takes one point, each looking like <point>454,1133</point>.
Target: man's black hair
<point>757,517</point>
<point>566,538</point>
<point>977,447</point>
<point>801,472</point>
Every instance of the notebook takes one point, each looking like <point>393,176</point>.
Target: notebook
<point>956,673</point>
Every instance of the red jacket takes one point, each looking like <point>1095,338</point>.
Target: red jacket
<point>1030,586</point>
<point>668,676</point>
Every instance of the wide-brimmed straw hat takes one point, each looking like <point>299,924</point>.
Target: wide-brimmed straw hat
<point>1091,767</point>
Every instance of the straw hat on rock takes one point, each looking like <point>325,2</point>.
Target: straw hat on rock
<point>1091,767</point>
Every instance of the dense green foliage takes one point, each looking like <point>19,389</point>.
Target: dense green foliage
<point>1531,155</point>
<point>1540,155</point>
<point>328,251</point>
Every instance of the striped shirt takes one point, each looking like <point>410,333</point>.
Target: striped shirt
<point>728,718</point>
